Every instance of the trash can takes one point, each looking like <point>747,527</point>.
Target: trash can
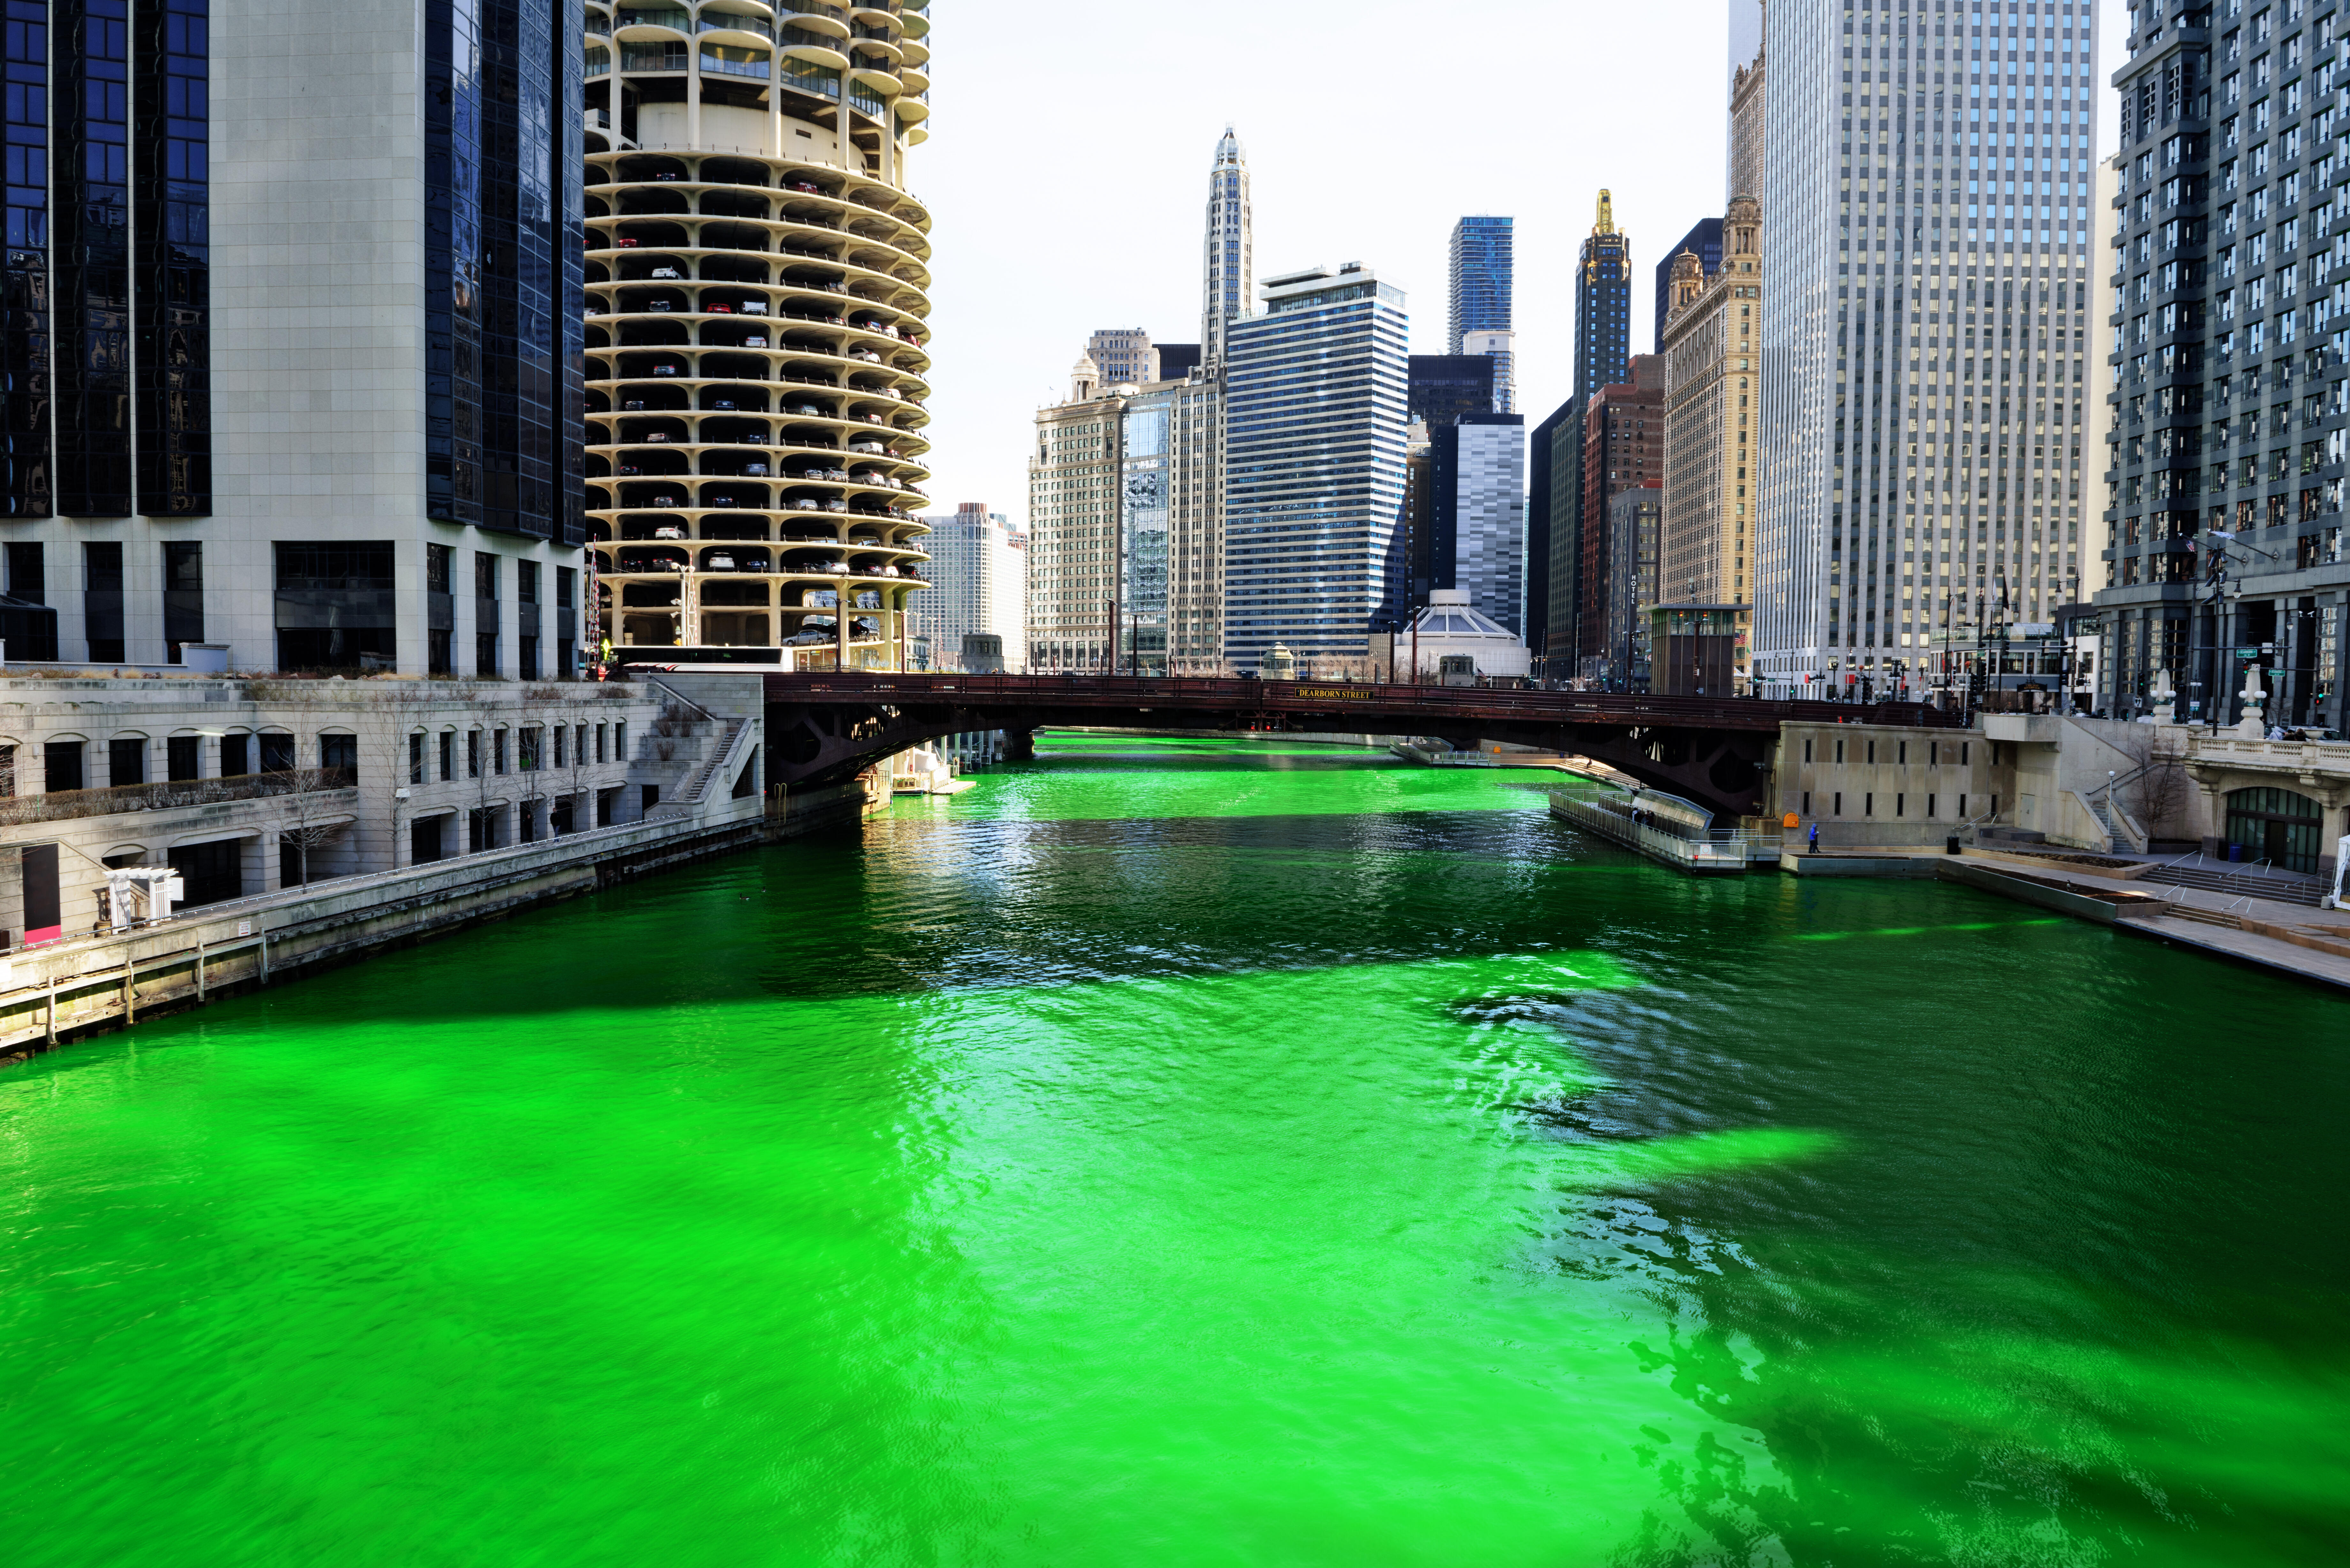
<point>2235,852</point>
<point>1950,845</point>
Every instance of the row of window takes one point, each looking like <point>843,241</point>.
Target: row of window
<point>66,765</point>
<point>534,747</point>
<point>528,748</point>
<point>1937,752</point>
<point>1900,805</point>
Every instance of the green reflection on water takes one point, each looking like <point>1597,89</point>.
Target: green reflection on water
<point>1315,1164</point>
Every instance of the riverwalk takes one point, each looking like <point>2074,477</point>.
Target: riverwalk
<point>2286,938</point>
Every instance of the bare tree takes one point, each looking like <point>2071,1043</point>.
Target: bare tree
<point>2157,795</point>
<point>307,830</point>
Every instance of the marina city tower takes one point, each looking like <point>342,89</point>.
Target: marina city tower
<point>757,278</point>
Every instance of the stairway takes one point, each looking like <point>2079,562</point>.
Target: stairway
<point>2282,887</point>
<point>2202,916</point>
<point>2103,810</point>
<point>698,787</point>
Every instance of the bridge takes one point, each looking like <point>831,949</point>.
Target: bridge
<point>826,728</point>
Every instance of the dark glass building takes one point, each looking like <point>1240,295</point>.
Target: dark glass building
<point>402,370</point>
<point>1444,387</point>
<point>1603,305</point>
<point>1705,243</point>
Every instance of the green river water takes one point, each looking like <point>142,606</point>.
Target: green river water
<point>1196,1153</point>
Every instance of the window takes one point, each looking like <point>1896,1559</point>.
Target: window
<point>235,754</point>
<point>526,619</point>
<point>183,758</point>
<point>473,754</point>
<point>1807,751</point>
<point>1930,808</point>
<point>126,761</point>
<point>278,754</point>
<point>448,755</point>
<point>213,872</point>
<point>439,609</point>
<point>339,752</point>
<point>481,828</point>
<point>498,752</point>
<point>486,616</point>
<point>527,748</point>
<point>599,742</point>
<point>416,759</point>
<point>560,732</point>
<point>1869,804</point>
<point>102,600</point>
<point>1839,803</point>
<point>1900,803</point>
<point>183,597</point>
<point>61,766</point>
<point>334,604</point>
<point>620,741</point>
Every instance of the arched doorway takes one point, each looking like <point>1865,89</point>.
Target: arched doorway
<point>2277,824</point>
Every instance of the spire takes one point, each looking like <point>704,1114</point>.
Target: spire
<point>1606,224</point>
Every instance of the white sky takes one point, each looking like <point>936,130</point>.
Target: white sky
<point>1068,173</point>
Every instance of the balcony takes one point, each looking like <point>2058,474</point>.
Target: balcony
<point>64,805</point>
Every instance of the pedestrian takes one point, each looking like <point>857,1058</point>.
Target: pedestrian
<point>1815,838</point>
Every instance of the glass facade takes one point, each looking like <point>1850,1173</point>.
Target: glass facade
<point>335,604</point>
<point>25,354</point>
<point>1924,341</point>
<point>1316,403</point>
<point>1146,487</point>
<point>171,165</point>
<point>1482,271</point>
<point>505,299</point>
<point>92,169</point>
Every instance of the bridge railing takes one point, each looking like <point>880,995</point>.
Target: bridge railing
<point>1529,703</point>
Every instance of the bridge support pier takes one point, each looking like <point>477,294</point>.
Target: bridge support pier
<point>1019,746</point>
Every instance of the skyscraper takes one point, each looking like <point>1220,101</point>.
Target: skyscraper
<point>1711,434</point>
<point>1603,305</point>
<point>1623,449</point>
<point>1482,265</point>
<point>978,575</point>
<point>1229,276</point>
<point>209,440</point>
<point>758,358</point>
<point>1554,500</point>
<point>1478,513</point>
<point>1924,333</point>
<point>1073,527</point>
<point>1481,257</point>
<point>1316,393</point>
<point>2223,502</point>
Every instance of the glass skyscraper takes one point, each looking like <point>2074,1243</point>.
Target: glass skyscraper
<point>1482,268</point>
<point>1482,271</point>
<point>1925,359</point>
<point>1316,392</point>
